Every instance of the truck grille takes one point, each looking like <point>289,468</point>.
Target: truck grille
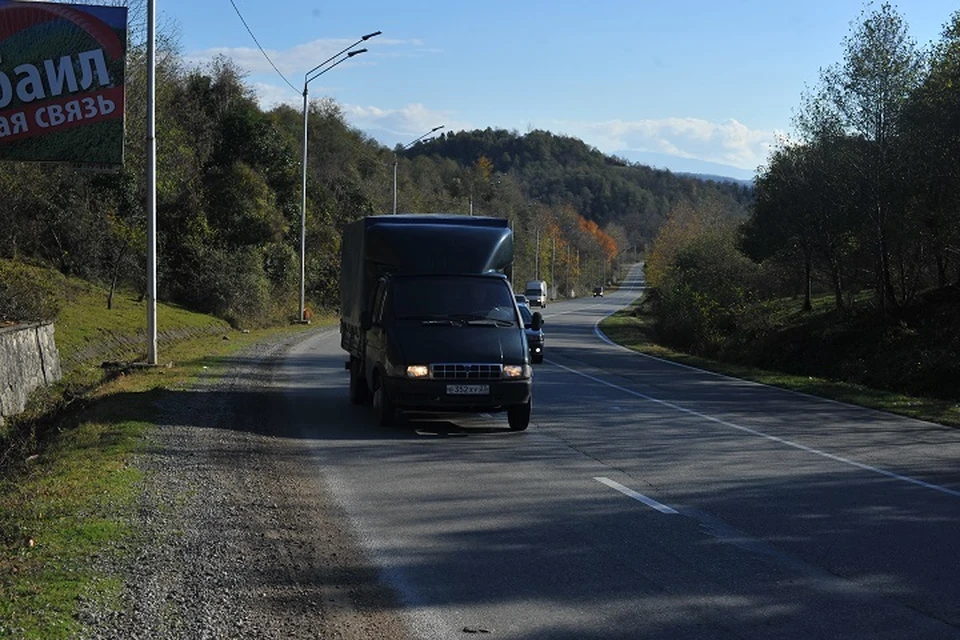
<point>466,371</point>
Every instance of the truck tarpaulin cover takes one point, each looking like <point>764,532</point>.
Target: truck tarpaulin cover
<point>422,244</point>
<point>62,82</point>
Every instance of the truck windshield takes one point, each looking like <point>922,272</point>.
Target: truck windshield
<point>461,299</point>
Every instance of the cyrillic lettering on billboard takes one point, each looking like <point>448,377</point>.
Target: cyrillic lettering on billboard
<point>62,82</point>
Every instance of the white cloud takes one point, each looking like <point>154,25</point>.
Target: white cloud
<point>271,95</point>
<point>729,142</point>
<point>407,122</point>
<point>297,60</point>
<point>388,126</point>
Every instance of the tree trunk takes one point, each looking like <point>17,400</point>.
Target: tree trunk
<point>941,270</point>
<point>837,287</point>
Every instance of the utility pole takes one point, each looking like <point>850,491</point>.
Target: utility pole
<point>537,261</point>
<point>553,263</point>
<point>151,182</point>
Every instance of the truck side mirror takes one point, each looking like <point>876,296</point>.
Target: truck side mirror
<point>536,321</point>
<point>366,320</point>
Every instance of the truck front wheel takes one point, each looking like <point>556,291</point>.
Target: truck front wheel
<point>518,416</point>
<point>359,391</point>
<point>386,412</point>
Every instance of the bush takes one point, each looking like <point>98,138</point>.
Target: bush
<point>704,294</point>
<point>230,284</point>
<point>28,294</point>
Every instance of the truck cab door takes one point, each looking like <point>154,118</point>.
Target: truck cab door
<point>376,343</point>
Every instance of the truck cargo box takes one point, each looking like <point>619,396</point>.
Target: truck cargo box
<point>421,244</point>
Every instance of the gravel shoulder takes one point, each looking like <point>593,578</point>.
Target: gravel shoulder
<point>238,536</point>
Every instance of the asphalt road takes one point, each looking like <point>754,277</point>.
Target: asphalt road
<point>646,500</point>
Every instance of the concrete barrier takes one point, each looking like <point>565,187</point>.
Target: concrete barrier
<point>28,359</point>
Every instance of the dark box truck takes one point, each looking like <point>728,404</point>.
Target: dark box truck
<point>429,318</point>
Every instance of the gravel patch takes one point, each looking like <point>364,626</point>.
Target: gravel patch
<point>237,535</point>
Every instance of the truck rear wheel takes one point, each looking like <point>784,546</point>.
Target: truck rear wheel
<point>518,416</point>
<point>386,412</point>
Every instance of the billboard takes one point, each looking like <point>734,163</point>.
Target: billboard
<point>61,82</point>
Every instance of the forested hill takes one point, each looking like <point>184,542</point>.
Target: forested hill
<point>560,170</point>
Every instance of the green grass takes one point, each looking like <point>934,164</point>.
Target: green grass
<point>68,490</point>
<point>634,329</point>
<point>85,320</point>
<point>72,502</point>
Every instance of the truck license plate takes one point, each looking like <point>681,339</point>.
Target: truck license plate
<point>468,389</point>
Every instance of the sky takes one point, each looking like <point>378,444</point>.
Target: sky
<point>696,86</point>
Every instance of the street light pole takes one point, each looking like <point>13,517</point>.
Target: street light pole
<point>309,77</point>
<point>151,183</point>
<point>537,257</point>
<point>396,159</point>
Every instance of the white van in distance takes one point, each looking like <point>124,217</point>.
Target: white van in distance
<point>536,292</point>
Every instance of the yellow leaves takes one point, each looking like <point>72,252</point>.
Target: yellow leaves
<point>484,168</point>
<point>606,243</point>
<point>684,225</point>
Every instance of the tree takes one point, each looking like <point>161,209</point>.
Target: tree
<point>869,90</point>
<point>930,145</point>
<point>805,215</point>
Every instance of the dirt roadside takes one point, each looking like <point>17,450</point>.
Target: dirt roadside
<point>239,538</point>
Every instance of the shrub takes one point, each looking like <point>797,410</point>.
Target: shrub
<point>28,294</point>
<point>704,293</point>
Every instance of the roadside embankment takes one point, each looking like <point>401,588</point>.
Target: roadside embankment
<point>29,359</point>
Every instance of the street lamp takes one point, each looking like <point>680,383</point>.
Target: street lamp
<point>309,77</point>
<point>396,159</point>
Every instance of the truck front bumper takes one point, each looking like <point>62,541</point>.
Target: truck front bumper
<point>440,395</point>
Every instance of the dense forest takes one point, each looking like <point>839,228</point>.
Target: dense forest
<point>866,197</point>
<point>859,210</point>
<point>229,194</point>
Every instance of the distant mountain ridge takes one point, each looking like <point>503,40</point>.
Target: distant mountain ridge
<point>715,178</point>
<point>689,166</point>
<point>562,171</point>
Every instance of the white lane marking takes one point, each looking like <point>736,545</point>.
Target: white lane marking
<point>639,497</point>
<point>789,443</point>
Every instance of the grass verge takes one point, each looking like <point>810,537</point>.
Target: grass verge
<point>635,331</point>
<point>68,494</point>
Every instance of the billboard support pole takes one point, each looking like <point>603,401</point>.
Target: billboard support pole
<point>151,185</point>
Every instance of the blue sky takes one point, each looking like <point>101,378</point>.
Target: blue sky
<point>690,86</point>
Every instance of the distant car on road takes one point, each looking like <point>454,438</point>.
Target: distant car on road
<point>535,338</point>
<point>598,292</point>
<point>521,299</point>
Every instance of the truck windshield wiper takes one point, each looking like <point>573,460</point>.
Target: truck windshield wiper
<point>490,322</point>
<point>467,317</point>
<point>481,320</point>
<point>430,319</point>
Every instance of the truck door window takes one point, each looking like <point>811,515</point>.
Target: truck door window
<point>379,299</point>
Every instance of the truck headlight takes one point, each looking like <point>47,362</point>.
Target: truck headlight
<point>418,371</point>
<point>514,371</point>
